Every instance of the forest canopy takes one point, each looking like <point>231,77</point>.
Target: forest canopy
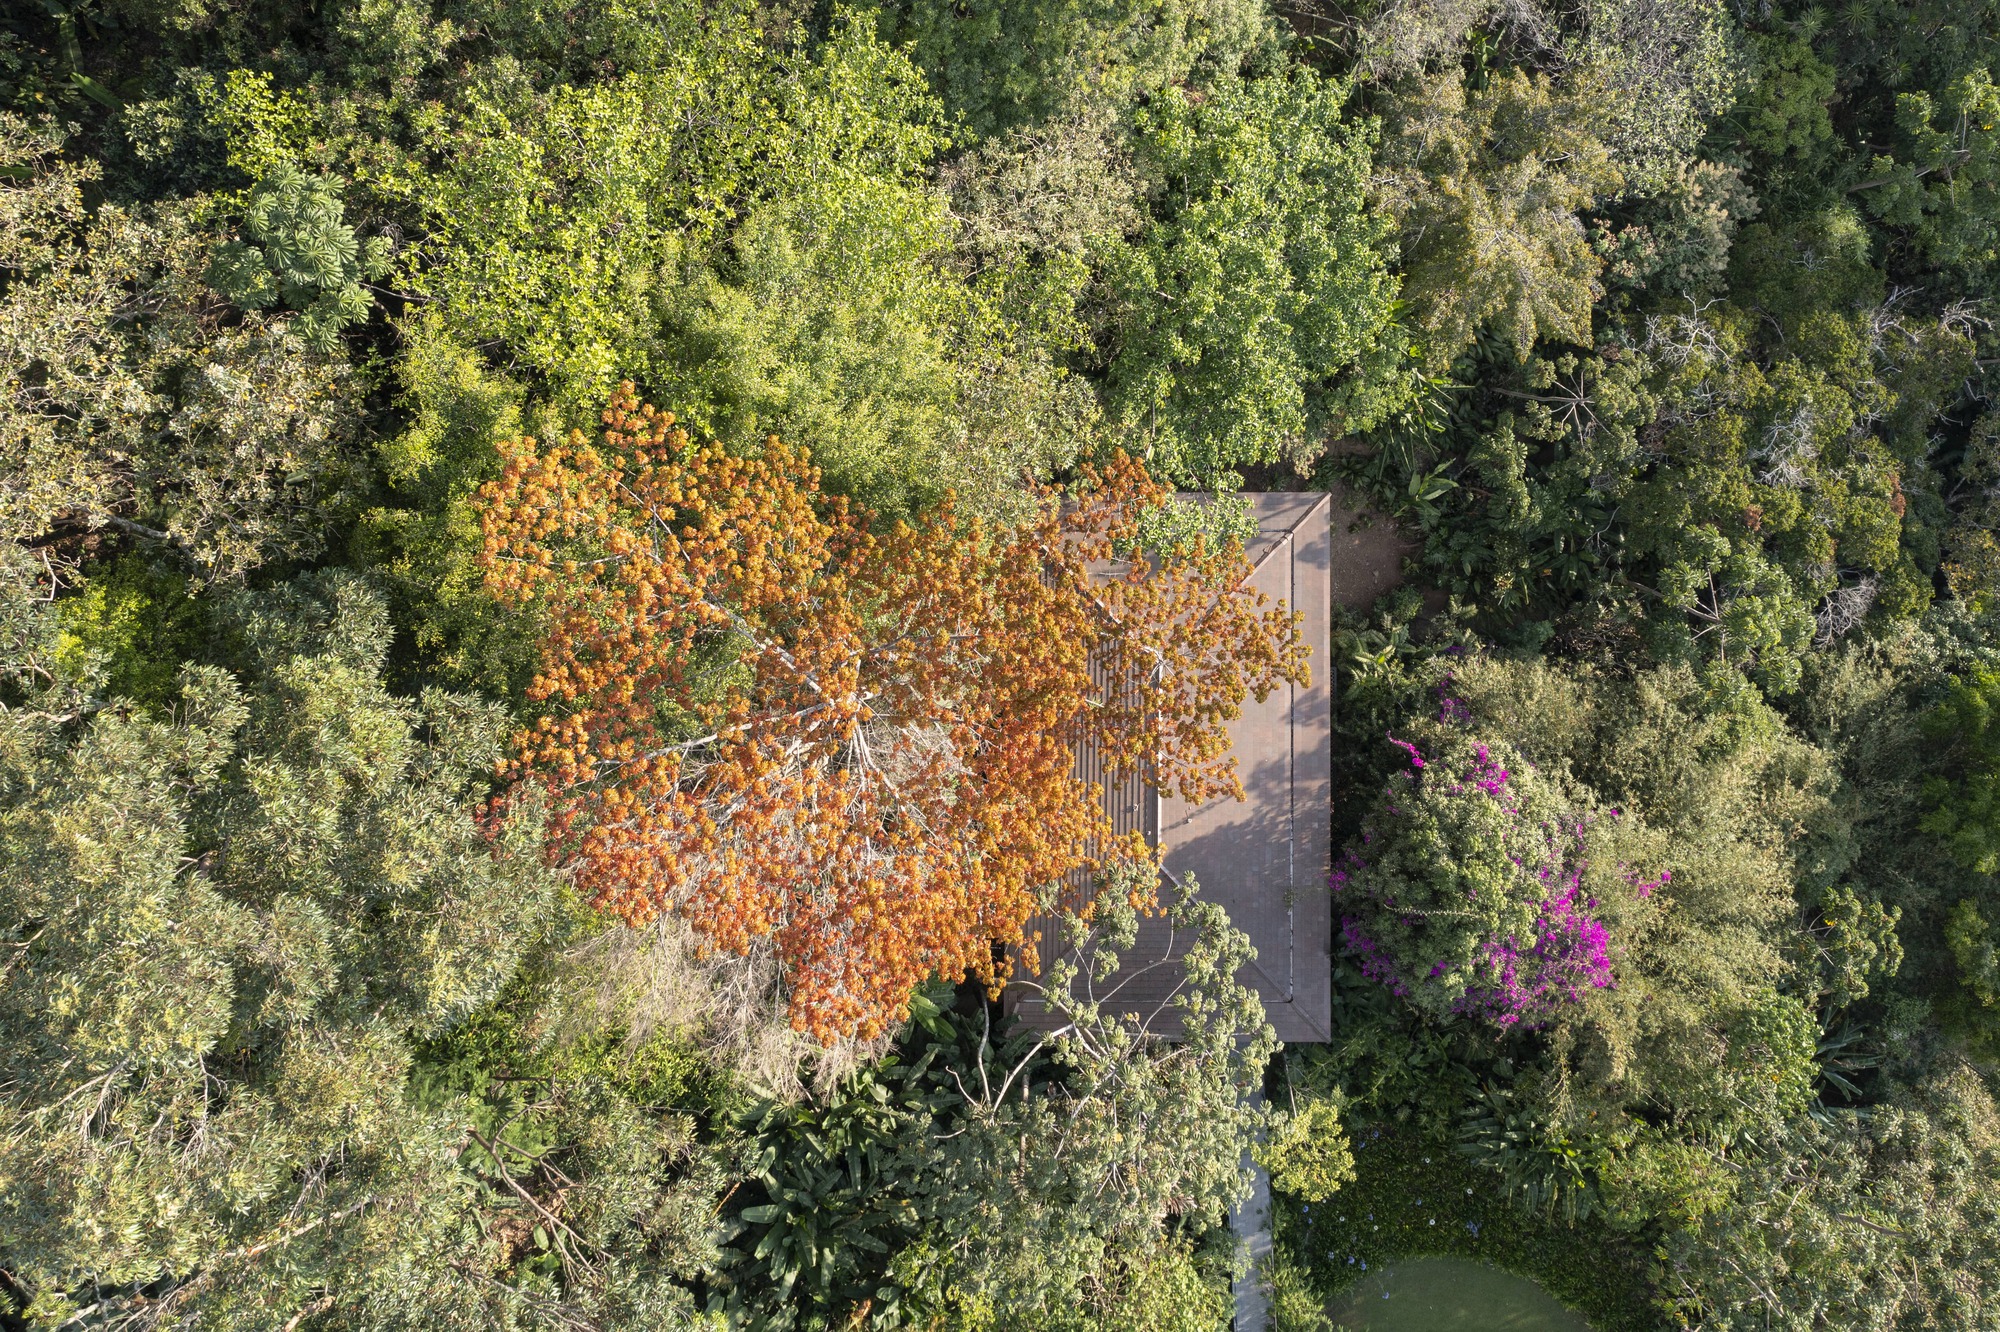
<point>554,561</point>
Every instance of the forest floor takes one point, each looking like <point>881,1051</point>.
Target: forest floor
<point>1368,552</point>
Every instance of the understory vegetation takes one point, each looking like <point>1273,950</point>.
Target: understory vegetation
<point>555,560</point>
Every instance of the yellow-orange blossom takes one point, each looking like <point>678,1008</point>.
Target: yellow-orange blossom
<point>778,725</point>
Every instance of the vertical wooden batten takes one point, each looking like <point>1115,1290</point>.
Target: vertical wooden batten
<point>1264,858</point>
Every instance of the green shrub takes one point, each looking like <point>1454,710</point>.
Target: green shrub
<point>297,252</point>
<point>1307,1154</point>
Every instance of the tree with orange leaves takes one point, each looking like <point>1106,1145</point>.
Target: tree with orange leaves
<point>855,745</point>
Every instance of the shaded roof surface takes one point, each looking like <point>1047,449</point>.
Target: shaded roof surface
<point>1263,858</point>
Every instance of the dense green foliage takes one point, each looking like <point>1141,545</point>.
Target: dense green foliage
<point>290,886</point>
<point>1661,329</point>
<point>1253,304</point>
<point>936,1184</point>
<point>299,253</point>
<point>1966,810</point>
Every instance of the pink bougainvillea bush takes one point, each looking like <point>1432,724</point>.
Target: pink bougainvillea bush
<point>1470,889</point>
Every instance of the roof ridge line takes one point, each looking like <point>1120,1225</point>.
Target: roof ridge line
<point>1325,497</point>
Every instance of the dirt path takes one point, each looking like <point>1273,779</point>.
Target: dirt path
<point>1368,552</point>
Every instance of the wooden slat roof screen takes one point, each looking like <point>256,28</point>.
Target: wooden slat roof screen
<point>1264,858</point>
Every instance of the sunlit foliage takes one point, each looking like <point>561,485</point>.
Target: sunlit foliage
<point>776,723</point>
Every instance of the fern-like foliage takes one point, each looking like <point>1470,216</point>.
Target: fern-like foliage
<point>297,251</point>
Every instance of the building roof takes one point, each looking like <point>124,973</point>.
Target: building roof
<point>1263,858</point>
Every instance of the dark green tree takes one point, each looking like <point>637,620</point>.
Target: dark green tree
<point>1965,805</point>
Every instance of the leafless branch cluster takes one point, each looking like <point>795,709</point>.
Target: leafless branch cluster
<point>1788,448</point>
<point>1676,339</point>
<point>665,979</point>
<point>1843,609</point>
<point>1962,318</point>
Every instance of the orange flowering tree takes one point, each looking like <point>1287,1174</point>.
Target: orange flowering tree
<point>855,746</point>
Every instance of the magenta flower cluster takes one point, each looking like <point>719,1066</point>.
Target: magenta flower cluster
<point>1647,887</point>
<point>1570,954</point>
<point>1517,982</point>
